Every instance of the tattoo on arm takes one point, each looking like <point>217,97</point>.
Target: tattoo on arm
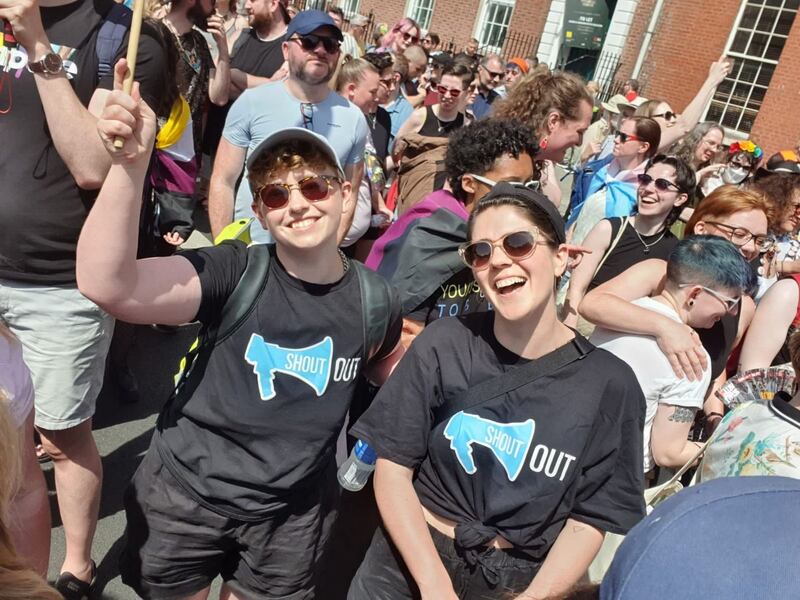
<point>682,415</point>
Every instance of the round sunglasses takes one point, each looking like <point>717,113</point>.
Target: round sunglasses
<point>313,189</point>
<point>407,37</point>
<point>518,245</point>
<point>444,91</point>
<point>662,185</point>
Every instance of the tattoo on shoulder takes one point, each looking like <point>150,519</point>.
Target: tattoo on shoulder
<point>682,415</point>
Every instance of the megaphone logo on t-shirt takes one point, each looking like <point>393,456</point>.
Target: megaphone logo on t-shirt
<point>509,442</point>
<point>311,365</point>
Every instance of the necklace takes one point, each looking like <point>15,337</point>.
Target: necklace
<point>345,261</point>
<point>651,244</point>
<point>190,57</point>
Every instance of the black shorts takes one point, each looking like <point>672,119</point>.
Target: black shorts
<point>175,547</point>
<point>384,576</point>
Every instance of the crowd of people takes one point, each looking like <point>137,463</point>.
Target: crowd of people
<point>399,274</point>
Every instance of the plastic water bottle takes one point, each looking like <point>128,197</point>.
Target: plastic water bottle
<point>355,471</point>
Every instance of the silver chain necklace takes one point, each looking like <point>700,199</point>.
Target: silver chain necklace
<point>651,244</point>
<point>345,261</point>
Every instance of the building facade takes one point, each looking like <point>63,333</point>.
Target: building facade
<point>668,45</point>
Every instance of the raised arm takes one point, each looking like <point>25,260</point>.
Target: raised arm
<point>155,290</point>
<point>771,322</point>
<point>402,515</point>
<point>598,241</point>
<point>220,76</point>
<point>609,306</point>
<point>694,111</point>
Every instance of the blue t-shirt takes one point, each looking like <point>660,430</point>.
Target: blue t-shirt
<point>399,112</point>
<point>482,105</point>
<point>261,111</point>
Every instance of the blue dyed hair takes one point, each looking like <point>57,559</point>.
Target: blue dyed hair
<point>711,261</point>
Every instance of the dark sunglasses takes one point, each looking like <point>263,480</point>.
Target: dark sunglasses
<point>669,115</point>
<point>494,74</point>
<point>444,91</point>
<point>662,185</point>
<point>626,137</point>
<point>517,246</point>
<point>310,42</point>
<point>407,37</point>
<point>314,189</point>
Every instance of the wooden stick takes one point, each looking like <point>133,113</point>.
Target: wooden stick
<point>133,51</point>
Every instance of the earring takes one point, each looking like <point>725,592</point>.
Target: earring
<point>691,302</point>
<point>543,143</point>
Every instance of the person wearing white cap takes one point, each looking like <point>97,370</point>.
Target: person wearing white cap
<point>240,477</point>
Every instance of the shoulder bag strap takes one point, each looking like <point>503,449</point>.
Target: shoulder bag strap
<point>515,378</point>
<point>613,245</point>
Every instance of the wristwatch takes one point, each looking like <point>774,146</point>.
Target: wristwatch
<point>50,64</point>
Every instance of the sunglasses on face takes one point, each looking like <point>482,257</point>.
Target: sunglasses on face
<point>494,74</point>
<point>667,116</point>
<point>413,39</point>
<point>517,246</point>
<point>626,137</point>
<point>445,91</point>
<point>662,185</point>
<point>730,303</point>
<point>310,42</point>
<point>313,189</point>
<point>739,236</point>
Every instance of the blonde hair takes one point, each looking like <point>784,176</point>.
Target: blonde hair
<point>352,71</point>
<point>17,580</point>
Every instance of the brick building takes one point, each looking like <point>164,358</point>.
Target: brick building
<point>667,44</point>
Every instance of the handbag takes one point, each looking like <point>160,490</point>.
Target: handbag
<point>653,497</point>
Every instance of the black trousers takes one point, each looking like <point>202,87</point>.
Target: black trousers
<point>384,576</point>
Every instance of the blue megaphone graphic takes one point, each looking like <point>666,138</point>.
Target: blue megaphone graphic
<point>509,442</point>
<point>311,365</point>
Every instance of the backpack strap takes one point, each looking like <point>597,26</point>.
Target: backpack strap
<point>379,308</point>
<point>110,37</point>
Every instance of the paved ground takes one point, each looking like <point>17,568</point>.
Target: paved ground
<point>123,432</point>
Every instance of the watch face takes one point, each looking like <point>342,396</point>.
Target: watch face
<point>52,63</point>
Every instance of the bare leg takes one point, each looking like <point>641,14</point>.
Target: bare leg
<point>201,595</point>
<point>226,593</point>
<point>79,476</point>
<point>30,509</point>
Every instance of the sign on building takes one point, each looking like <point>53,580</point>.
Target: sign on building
<point>585,23</point>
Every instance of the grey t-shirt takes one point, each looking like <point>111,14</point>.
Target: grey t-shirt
<point>262,110</point>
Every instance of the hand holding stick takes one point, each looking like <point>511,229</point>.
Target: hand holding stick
<point>133,51</point>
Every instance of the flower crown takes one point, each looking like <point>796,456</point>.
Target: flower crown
<point>747,146</point>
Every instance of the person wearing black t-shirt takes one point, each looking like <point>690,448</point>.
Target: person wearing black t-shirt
<point>240,478</point>
<point>418,253</point>
<point>507,444</point>
<point>53,162</point>
<point>620,242</point>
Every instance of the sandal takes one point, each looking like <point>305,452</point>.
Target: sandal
<point>72,588</point>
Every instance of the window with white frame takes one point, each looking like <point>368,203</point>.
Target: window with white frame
<point>315,4</point>
<point>755,47</point>
<point>350,7</point>
<point>492,26</point>
<point>421,11</point>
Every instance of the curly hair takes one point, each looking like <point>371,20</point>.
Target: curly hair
<point>287,156</point>
<point>476,148</point>
<point>780,190</point>
<point>539,93</point>
<point>686,146</point>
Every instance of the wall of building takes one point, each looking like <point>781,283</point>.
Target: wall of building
<point>530,17</point>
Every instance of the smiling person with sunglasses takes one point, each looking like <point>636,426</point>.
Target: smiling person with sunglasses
<point>506,444</point>
<point>619,243</point>
<point>705,280</point>
<point>491,72</point>
<point>304,99</point>
<point>240,477</point>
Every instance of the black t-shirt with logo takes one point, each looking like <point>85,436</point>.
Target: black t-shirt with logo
<point>42,209</point>
<point>254,57</point>
<point>567,445</point>
<point>262,424</point>
<point>458,296</point>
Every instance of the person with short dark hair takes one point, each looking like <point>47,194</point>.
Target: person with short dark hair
<point>706,279</point>
<point>630,89</point>
<point>507,445</point>
<point>240,477</point>
<point>396,104</point>
<point>491,72</point>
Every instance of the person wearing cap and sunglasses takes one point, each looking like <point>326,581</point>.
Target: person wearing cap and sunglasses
<point>618,243</point>
<point>240,477</point>
<point>705,280</point>
<point>490,488</point>
<point>304,99</point>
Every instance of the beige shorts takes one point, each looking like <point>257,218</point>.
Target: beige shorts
<point>65,339</point>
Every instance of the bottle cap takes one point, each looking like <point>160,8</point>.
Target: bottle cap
<point>364,453</point>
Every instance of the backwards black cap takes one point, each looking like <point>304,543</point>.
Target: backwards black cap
<point>505,189</point>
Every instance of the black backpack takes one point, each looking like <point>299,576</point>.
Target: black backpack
<point>379,310</point>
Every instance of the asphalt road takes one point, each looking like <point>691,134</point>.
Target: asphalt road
<point>123,432</point>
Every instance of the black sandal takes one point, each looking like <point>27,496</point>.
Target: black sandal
<point>72,588</point>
